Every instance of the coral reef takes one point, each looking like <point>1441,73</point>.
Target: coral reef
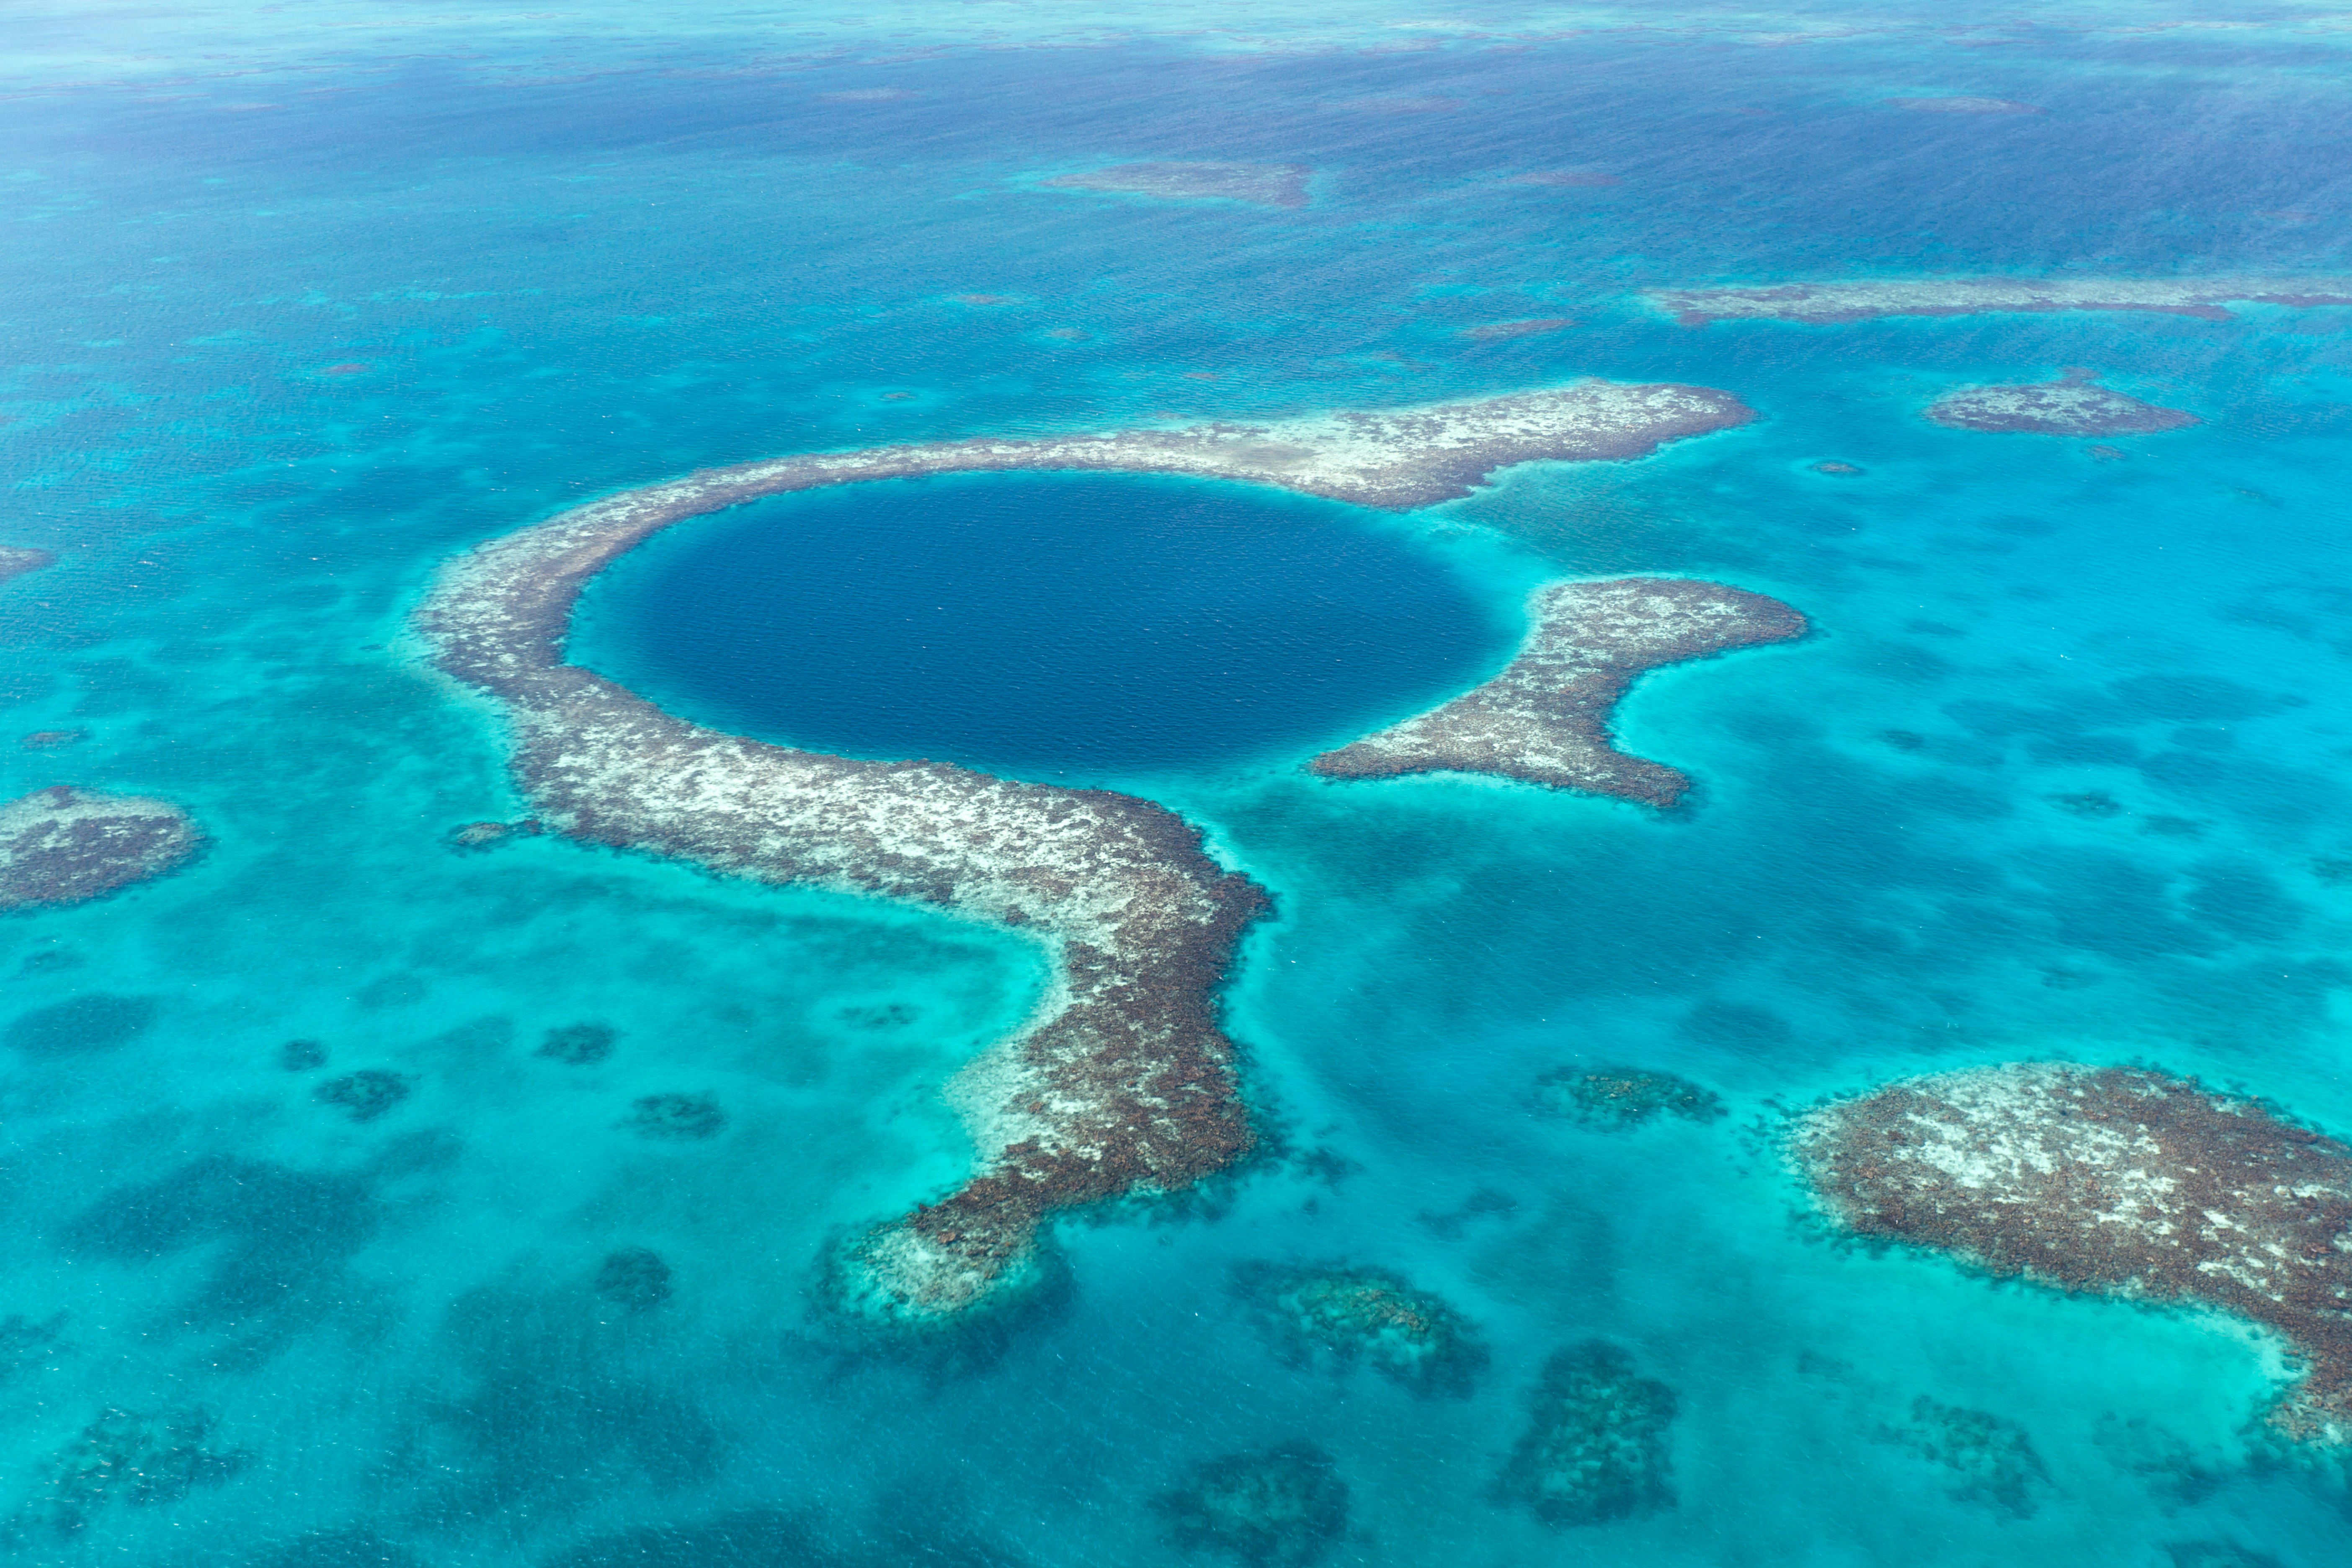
<point>1345,1315</point>
<point>579,1044</point>
<point>16,560</point>
<point>677,1117</point>
<point>1595,1446</point>
<point>1963,106</point>
<point>1860,301</point>
<point>2110,1181</point>
<point>1837,469</point>
<point>124,1456</point>
<point>63,846</point>
<point>635,1277</point>
<point>2074,404</point>
<point>1266,184</point>
<point>1616,1098</point>
<point>1992,1459</point>
<point>1546,718</point>
<point>302,1055</point>
<point>483,835</point>
<point>364,1095</point>
<point>1123,1083</point>
<point>1281,1508</point>
<point>24,1342</point>
<point>1573,178</point>
<point>1495,331</point>
<point>50,739</point>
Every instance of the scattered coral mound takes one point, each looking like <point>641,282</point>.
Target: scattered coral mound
<point>2115,1181</point>
<point>1612,1099</point>
<point>1546,718</point>
<point>1266,185</point>
<point>1860,301</point>
<point>16,561</point>
<point>1992,1459</point>
<point>124,1456</point>
<point>1492,331</point>
<point>635,1277</point>
<point>2074,404</point>
<point>1126,1083</point>
<point>1345,1315</point>
<point>1964,106</point>
<point>1595,1447</point>
<point>62,845</point>
<point>364,1095</point>
<point>1282,1507</point>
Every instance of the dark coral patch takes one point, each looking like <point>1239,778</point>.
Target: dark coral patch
<point>682,1118</point>
<point>1282,1507</point>
<point>100,1021</point>
<point>1344,1315</point>
<point>124,1458</point>
<point>579,1044</point>
<point>635,1277</point>
<point>364,1095</point>
<point>1595,1444</point>
<point>1618,1097</point>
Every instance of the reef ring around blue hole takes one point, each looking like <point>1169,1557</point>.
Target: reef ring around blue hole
<point>1039,625</point>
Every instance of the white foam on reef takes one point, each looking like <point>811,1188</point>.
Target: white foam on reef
<point>1122,1082</point>
<point>1545,718</point>
<point>1859,300</point>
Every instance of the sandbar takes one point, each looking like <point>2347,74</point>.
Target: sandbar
<point>1123,1082</point>
<point>1545,719</point>
<point>1863,301</point>
<point>2121,1182</point>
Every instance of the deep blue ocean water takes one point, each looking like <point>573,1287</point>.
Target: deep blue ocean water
<point>2062,773</point>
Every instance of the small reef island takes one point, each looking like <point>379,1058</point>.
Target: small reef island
<point>2118,1182</point>
<point>1123,1083</point>
<point>1264,185</point>
<point>1546,718</point>
<point>2074,404</point>
<point>1861,302</point>
<point>62,845</point>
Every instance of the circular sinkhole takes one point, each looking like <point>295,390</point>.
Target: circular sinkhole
<point>1044,626</point>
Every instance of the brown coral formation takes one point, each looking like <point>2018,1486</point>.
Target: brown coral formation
<point>1266,184</point>
<point>62,845</point>
<point>1546,718</point>
<point>1497,331</point>
<point>1863,301</point>
<point>2074,404</point>
<point>1123,1082</point>
<point>2115,1181</point>
<point>16,560</point>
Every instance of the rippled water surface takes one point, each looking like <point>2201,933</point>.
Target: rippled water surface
<point>297,316</point>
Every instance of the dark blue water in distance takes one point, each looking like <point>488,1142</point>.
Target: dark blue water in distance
<point>1044,624</point>
<point>298,304</point>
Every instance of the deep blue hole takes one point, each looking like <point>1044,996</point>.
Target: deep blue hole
<point>1041,625</point>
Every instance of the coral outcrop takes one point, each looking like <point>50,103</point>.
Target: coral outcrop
<point>2115,1181</point>
<point>1266,184</point>
<point>1612,1099</point>
<point>1282,1507</point>
<point>635,1277</point>
<point>1342,1315</point>
<point>1861,300</point>
<point>2074,404</point>
<point>364,1095</point>
<point>16,560</point>
<point>126,1457</point>
<point>676,1117</point>
<point>1595,1448</point>
<point>1990,1459</point>
<point>579,1044</point>
<point>1546,718</point>
<point>62,845</point>
<point>1123,1082</point>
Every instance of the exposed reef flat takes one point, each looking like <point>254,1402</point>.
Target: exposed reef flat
<point>2074,404</point>
<point>1344,1315</point>
<point>1595,1448</point>
<point>62,845</point>
<point>1123,1082</point>
<point>16,561</point>
<point>1267,184</point>
<point>1860,301</point>
<point>1546,718</point>
<point>2114,1182</point>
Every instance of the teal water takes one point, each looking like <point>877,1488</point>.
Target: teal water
<point>2061,772</point>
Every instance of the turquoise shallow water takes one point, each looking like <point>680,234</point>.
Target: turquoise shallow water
<point>2060,772</point>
